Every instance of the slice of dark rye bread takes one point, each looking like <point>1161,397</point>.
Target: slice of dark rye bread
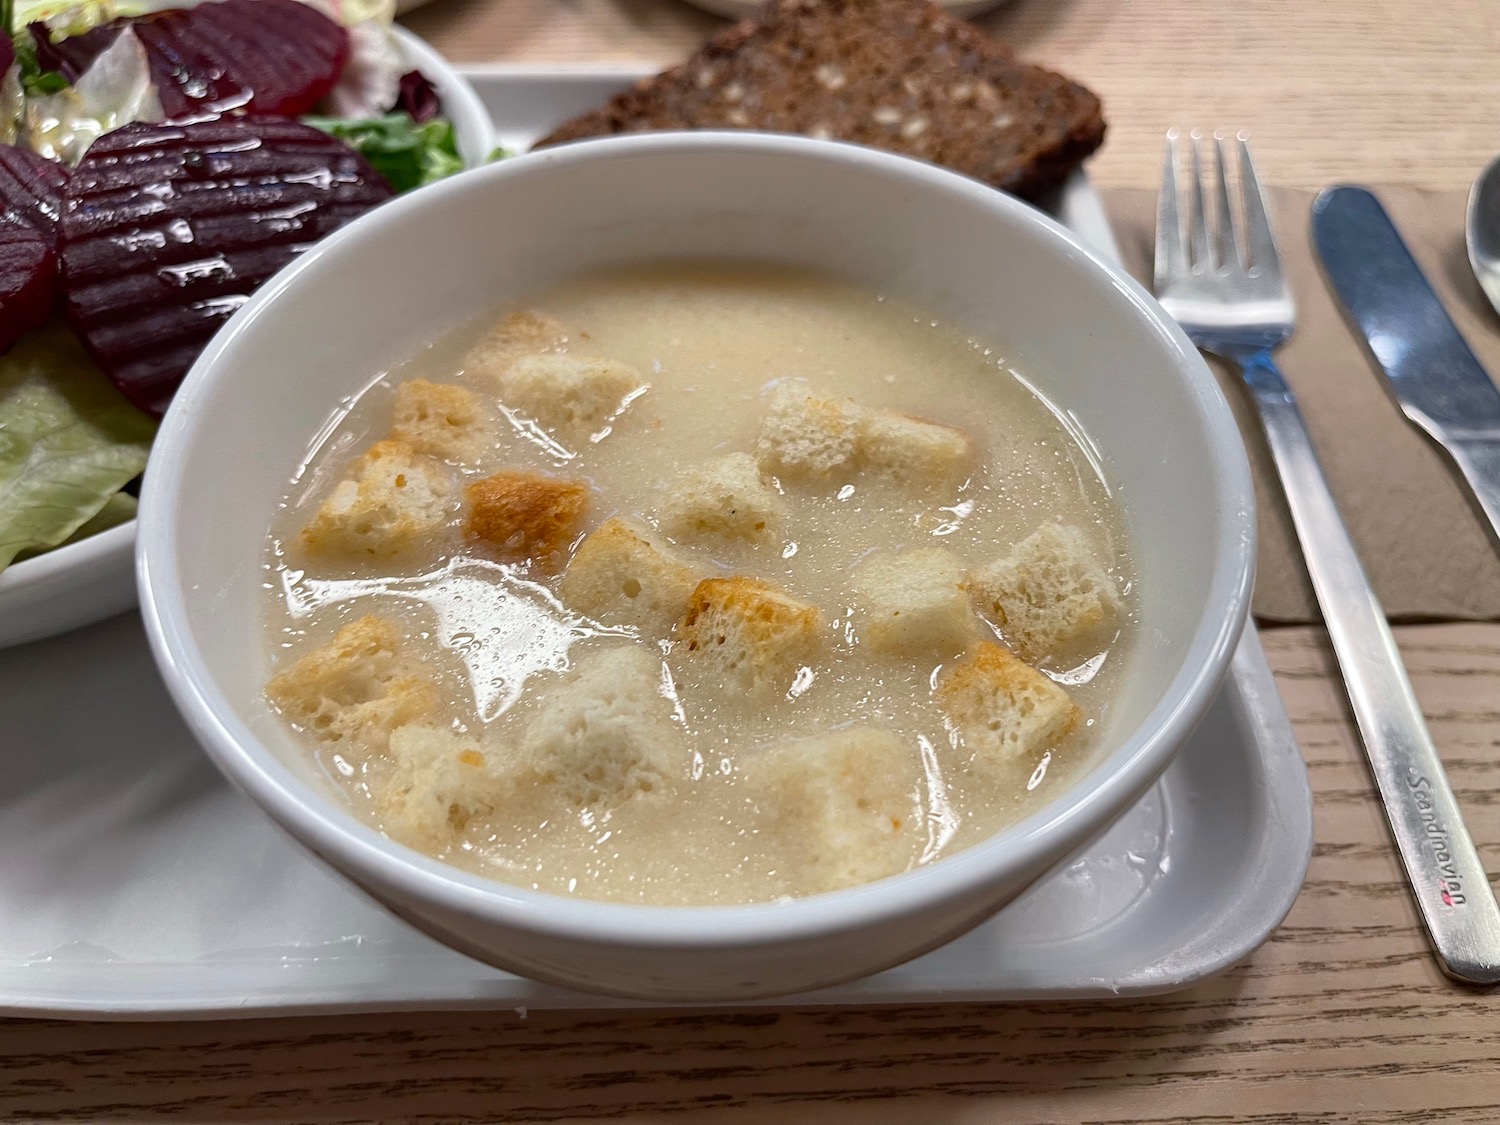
<point>900,75</point>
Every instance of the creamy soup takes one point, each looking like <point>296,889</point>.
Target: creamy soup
<point>689,585</point>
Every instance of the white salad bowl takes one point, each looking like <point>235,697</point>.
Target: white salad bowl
<point>405,274</point>
<point>75,585</point>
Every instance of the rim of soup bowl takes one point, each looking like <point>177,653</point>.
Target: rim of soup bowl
<point>1067,820</point>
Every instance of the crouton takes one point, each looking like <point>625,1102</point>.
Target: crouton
<point>847,803</point>
<point>356,689</point>
<point>526,515</point>
<point>440,781</point>
<point>396,500</point>
<point>747,635</point>
<point>724,497</point>
<point>913,603</point>
<point>1050,596</point>
<point>622,574</point>
<point>1002,707</point>
<point>442,420</point>
<point>913,451</point>
<point>806,435</point>
<point>516,334</point>
<point>573,396</point>
<point>606,736</point>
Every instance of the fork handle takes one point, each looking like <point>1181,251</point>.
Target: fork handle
<point>1446,875</point>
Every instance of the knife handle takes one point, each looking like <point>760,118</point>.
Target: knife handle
<point>1446,875</point>
<point>1479,461</point>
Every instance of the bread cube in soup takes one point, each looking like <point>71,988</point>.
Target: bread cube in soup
<point>1001,707</point>
<point>606,736</point>
<point>572,396</point>
<point>805,435</point>
<point>624,574</point>
<point>913,604</point>
<point>1050,596</point>
<point>847,803</point>
<point>913,451</point>
<point>526,515</point>
<point>440,781</point>
<point>356,689</point>
<point>725,497</point>
<point>514,335</point>
<point>442,420</point>
<point>396,500</point>
<point>746,635</point>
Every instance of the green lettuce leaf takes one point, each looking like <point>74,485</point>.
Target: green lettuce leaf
<point>405,153</point>
<point>69,441</point>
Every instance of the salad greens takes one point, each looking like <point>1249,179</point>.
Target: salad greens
<point>69,442</point>
<point>404,152</point>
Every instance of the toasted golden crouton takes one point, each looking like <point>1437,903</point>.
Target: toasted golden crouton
<point>514,335</point>
<point>573,396</point>
<point>913,451</point>
<point>848,803</point>
<point>606,736</point>
<point>440,781</point>
<point>806,435</point>
<point>1001,706</point>
<point>913,603</point>
<point>725,497</point>
<point>358,688</point>
<point>442,420</point>
<point>1050,596</point>
<point>397,499</point>
<point>747,635</point>
<point>623,574</point>
<point>526,515</point>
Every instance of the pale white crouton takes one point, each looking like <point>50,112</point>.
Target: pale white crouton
<point>514,335</point>
<point>439,782</point>
<point>848,804</point>
<point>1050,595</point>
<point>913,451</point>
<point>724,497</point>
<point>806,435</point>
<point>358,688</point>
<point>1002,707</point>
<point>526,515</point>
<point>623,574</point>
<point>397,499</point>
<point>442,420</point>
<point>746,635</point>
<point>913,603</point>
<point>606,736</point>
<point>571,395</point>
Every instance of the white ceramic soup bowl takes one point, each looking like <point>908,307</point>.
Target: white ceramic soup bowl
<point>411,270</point>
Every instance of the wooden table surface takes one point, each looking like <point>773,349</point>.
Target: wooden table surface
<point>1340,1017</point>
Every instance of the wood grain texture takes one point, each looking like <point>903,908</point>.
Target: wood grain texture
<point>1341,1017</point>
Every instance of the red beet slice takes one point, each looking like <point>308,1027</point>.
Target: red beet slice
<point>31,189</point>
<point>264,56</point>
<point>7,51</point>
<point>169,227</point>
<point>28,279</point>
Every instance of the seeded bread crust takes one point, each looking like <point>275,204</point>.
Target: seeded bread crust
<point>901,75</point>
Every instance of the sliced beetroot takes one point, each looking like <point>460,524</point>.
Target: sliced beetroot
<point>31,189</point>
<point>7,51</point>
<point>418,97</point>
<point>28,279</point>
<point>264,56</point>
<point>169,227</point>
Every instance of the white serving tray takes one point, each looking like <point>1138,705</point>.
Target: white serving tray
<point>136,884</point>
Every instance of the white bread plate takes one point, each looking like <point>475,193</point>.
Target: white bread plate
<point>84,582</point>
<point>1092,337</point>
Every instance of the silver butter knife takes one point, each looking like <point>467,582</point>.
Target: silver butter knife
<point>1438,382</point>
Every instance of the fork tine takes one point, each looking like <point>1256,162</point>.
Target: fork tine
<point>1258,235</point>
<point>1229,242</point>
<point>1171,251</point>
<point>1197,212</point>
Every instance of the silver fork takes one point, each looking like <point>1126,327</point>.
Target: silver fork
<point>1219,276</point>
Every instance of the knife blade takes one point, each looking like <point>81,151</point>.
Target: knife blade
<point>1435,377</point>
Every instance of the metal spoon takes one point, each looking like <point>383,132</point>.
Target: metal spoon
<point>1482,231</point>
